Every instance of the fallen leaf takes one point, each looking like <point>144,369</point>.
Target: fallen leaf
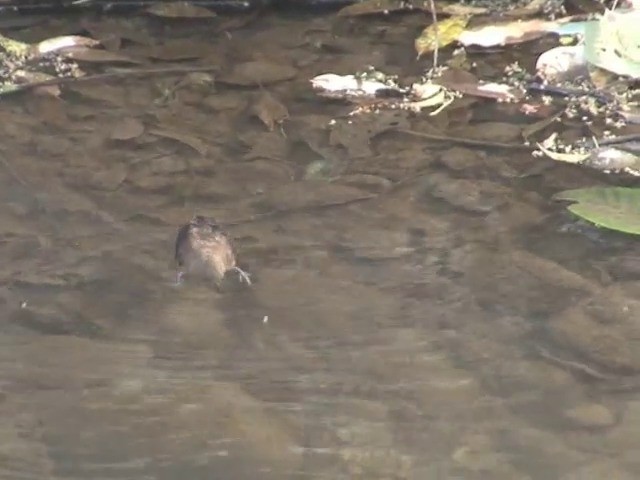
<point>269,110</point>
<point>179,10</point>
<point>443,33</point>
<point>127,128</point>
<point>191,141</point>
<point>615,208</point>
<point>612,43</point>
<point>258,72</point>
<point>57,44</point>
<point>506,33</point>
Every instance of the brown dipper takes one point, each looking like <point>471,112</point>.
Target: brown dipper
<point>204,249</point>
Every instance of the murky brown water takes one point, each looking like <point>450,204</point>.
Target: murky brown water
<point>429,315</point>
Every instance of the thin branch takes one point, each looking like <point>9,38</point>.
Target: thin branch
<point>436,33</point>
<point>111,75</point>
<point>465,141</point>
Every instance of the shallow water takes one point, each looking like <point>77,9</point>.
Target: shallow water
<point>420,310</point>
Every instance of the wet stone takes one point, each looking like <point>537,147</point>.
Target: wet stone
<point>258,73</point>
<point>110,178</point>
<point>228,101</point>
<point>590,415</point>
<point>624,437</point>
<point>599,470</point>
<point>624,267</point>
<point>479,454</point>
<point>491,132</point>
<point>476,196</point>
<point>604,328</point>
<point>457,158</point>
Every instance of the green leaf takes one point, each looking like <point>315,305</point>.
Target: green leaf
<point>615,208</point>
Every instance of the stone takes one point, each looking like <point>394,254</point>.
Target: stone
<point>591,415</point>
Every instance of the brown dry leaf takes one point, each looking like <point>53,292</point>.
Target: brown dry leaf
<point>126,129</point>
<point>191,141</point>
<point>83,54</point>
<point>258,72</point>
<point>269,110</point>
<point>179,10</point>
<point>372,7</point>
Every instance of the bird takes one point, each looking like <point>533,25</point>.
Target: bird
<point>204,249</point>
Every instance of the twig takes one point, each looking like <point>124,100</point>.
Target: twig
<point>436,33</point>
<point>466,141</point>
<point>110,75</point>
<point>12,171</point>
<point>572,366</point>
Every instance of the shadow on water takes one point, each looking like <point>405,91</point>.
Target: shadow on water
<point>420,310</point>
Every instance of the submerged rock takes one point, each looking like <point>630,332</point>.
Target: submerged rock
<point>590,415</point>
<point>604,328</point>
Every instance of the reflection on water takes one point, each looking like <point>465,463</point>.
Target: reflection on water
<point>418,311</point>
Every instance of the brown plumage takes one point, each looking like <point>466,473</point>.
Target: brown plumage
<point>204,249</point>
